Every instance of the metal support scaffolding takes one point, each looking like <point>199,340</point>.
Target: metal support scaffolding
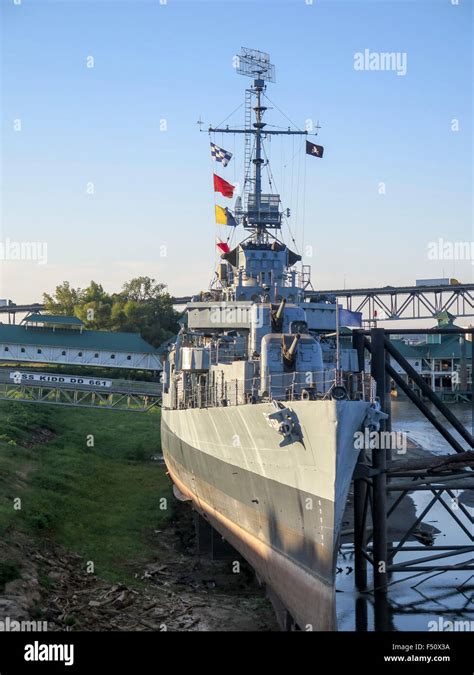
<point>379,464</point>
<point>381,484</point>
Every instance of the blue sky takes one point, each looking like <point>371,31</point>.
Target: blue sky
<point>152,208</point>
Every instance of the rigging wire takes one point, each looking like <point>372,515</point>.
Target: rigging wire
<point>276,126</point>
<point>235,160</point>
<point>297,151</point>
<point>212,137</point>
<point>291,234</point>
<point>272,181</point>
<point>282,168</point>
<point>281,111</point>
<point>230,115</point>
<point>304,216</point>
<point>292,168</point>
<point>298,194</point>
<point>247,170</point>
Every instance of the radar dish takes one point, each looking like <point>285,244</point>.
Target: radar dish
<point>255,64</point>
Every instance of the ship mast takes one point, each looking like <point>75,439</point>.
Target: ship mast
<point>262,211</point>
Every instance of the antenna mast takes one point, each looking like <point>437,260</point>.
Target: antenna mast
<point>262,210</point>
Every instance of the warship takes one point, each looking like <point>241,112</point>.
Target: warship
<point>261,398</point>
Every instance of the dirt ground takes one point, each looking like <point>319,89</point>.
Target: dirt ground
<point>176,591</point>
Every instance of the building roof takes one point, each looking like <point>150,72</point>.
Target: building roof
<point>53,319</point>
<point>449,347</point>
<point>445,319</point>
<point>88,339</point>
<point>408,351</point>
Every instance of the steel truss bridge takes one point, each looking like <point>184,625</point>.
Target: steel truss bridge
<point>393,303</point>
<point>389,303</point>
<point>403,302</point>
<point>129,395</point>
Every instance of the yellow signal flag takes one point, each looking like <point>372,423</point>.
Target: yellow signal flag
<point>221,215</point>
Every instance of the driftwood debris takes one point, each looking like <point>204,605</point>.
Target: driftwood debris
<point>432,464</point>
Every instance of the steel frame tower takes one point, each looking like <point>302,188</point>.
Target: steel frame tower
<point>261,212</point>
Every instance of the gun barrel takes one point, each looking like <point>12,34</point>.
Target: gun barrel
<point>279,312</point>
<point>293,346</point>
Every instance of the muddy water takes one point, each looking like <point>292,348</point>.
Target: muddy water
<point>418,601</point>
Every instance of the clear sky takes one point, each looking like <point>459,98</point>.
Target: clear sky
<point>152,211</point>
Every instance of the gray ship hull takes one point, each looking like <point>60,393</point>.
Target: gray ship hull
<point>280,506</point>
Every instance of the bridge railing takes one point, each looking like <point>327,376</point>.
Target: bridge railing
<point>79,382</point>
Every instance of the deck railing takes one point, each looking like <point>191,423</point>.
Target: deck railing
<point>280,386</point>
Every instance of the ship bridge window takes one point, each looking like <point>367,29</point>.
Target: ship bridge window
<point>6,349</point>
<point>22,350</point>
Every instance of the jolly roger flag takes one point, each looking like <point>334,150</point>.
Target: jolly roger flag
<point>313,149</point>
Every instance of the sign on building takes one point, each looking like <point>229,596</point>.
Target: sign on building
<point>49,378</point>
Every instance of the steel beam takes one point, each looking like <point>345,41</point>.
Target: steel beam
<point>428,392</point>
<point>379,462</point>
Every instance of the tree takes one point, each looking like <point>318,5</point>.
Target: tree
<point>142,306</point>
<point>143,288</point>
<point>95,308</point>
<point>64,300</point>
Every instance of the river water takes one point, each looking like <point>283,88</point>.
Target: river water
<point>418,601</point>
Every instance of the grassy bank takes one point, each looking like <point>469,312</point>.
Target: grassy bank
<point>85,480</point>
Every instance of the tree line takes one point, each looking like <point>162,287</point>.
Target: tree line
<point>142,306</point>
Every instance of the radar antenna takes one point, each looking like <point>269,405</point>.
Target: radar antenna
<point>255,64</point>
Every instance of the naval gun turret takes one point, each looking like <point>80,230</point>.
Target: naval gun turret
<point>289,354</point>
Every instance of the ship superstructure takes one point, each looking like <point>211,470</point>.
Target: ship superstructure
<point>260,402</point>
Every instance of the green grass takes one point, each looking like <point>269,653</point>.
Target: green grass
<point>102,502</point>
